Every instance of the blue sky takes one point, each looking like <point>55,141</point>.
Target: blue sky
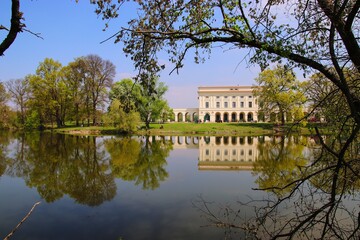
<point>72,30</point>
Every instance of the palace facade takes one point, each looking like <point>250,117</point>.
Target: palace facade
<point>222,104</point>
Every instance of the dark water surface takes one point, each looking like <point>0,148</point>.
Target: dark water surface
<point>128,188</point>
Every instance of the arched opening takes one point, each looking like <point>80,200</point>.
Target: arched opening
<point>187,117</point>
<point>180,117</point>
<point>218,117</point>
<point>218,140</point>
<point>242,117</point>
<point>226,117</point>
<point>233,117</point>
<point>250,117</point>
<point>195,117</point>
<point>207,118</point>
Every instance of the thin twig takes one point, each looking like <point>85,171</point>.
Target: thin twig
<point>23,220</point>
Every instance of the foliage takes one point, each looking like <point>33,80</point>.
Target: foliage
<point>99,77</point>
<point>127,92</point>
<point>49,94</point>
<point>126,122</point>
<point>279,92</point>
<point>147,99</point>
<point>326,99</point>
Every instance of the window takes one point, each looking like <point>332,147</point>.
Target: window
<point>217,97</point>
<point>234,104</point>
<point>242,96</point>
<point>207,152</point>
<point>206,104</point>
<point>242,104</point>
<point>225,104</point>
<point>234,96</point>
<point>250,104</point>
<point>250,96</point>
<point>225,97</point>
<point>218,104</point>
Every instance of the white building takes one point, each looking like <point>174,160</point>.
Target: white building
<point>222,104</point>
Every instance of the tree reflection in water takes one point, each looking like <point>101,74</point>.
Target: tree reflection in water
<point>140,161</point>
<point>310,194</point>
<point>83,167</point>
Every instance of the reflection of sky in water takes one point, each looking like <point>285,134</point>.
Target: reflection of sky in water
<point>164,213</point>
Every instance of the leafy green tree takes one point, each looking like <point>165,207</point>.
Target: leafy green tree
<point>124,121</point>
<point>147,99</point>
<point>151,102</point>
<point>327,100</point>
<point>49,92</point>
<point>279,92</point>
<point>75,75</point>
<point>127,92</point>
<point>99,78</point>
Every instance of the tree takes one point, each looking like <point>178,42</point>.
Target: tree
<point>49,93</point>
<point>19,91</point>
<point>126,91</point>
<point>124,121</point>
<point>317,36</point>
<point>279,92</point>
<point>99,77</point>
<point>4,109</point>
<point>326,99</point>
<point>151,102</point>
<point>75,75</point>
<point>16,26</point>
<point>147,99</point>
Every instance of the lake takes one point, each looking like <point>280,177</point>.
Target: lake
<point>137,187</point>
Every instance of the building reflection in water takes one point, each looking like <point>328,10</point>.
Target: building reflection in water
<point>220,152</point>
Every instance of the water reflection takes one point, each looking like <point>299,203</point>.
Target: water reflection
<point>85,167</point>
<point>88,169</point>
<point>142,161</point>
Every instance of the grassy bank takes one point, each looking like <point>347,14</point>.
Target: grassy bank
<point>233,129</point>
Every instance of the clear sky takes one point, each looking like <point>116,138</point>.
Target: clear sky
<point>72,30</point>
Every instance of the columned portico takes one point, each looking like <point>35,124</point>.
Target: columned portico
<point>185,114</point>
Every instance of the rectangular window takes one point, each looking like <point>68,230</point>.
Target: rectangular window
<point>225,104</point>
<point>234,104</point>
<point>250,104</point>
<point>206,104</point>
<point>242,104</point>
<point>250,96</point>
<point>218,104</point>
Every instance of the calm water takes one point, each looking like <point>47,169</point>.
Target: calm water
<point>130,188</point>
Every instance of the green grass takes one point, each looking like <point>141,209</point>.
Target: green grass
<point>230,129</point>
<point>213,128</point>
